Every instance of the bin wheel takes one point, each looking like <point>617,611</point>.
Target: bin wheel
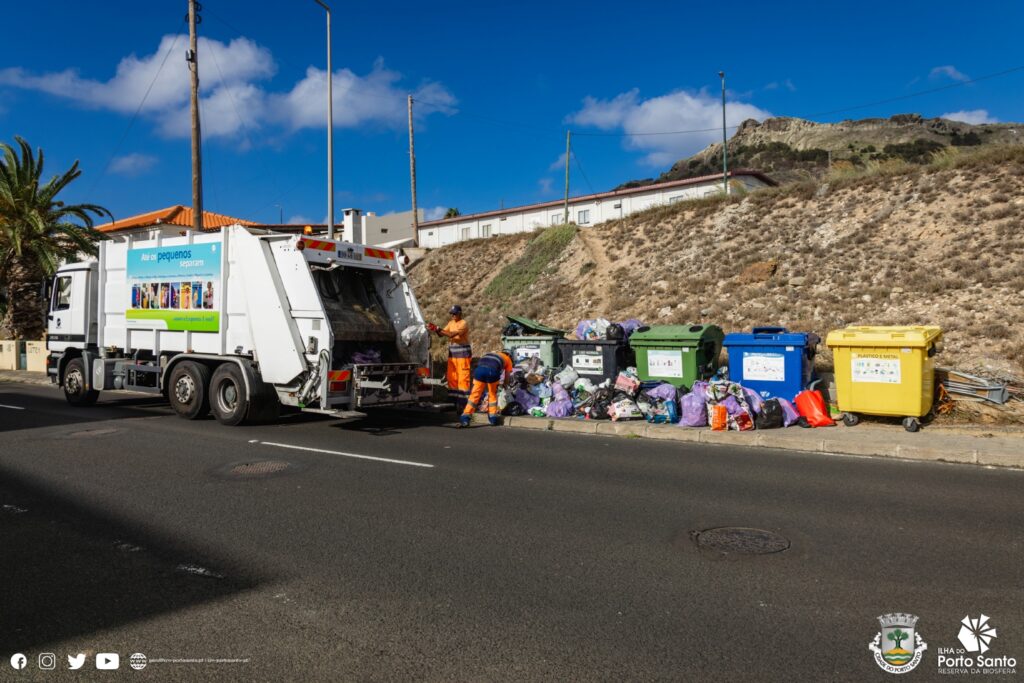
<point>911,424</point>
<point>851,419</point>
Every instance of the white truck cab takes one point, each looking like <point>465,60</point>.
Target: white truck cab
<point>240,323</point>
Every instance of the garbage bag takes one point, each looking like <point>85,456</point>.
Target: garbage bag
<point>700,388</point>
<point>754,400</point>
<point>541,390</point>
<point>694,412</point>
<point>732,405</point>
<point>719,418</point>
<point>526,399</point>
<point>584,385</point>
<point>615,332</point>
<point>513,409</point>
<point>560,408</point>
<point>504,398</point>
<point>790,415</point>
<point>663,391</point>
<point>513,330</point>
<point>537,411</point>
<point>625,409</point>
<point>567,377</point>
<point>366,357</point>
<point>627,384</point>
<point>558,392</point>
<point>811,405</point>
<point>743,422</point>
<point>770,416</point>
<point>630,326</point>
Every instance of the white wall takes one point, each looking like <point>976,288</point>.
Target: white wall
<point>600,210</point>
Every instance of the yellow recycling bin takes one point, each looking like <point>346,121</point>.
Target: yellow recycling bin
<point>885,371</point>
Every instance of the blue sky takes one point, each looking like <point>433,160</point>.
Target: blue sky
<point>498,85</point>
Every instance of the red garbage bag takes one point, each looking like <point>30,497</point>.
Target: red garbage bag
<point>812,406</point>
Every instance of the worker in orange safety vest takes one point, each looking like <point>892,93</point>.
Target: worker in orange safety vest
<point>460,356</point>
<point>488,372</point>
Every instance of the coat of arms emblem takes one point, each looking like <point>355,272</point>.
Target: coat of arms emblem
<point>898,647</point>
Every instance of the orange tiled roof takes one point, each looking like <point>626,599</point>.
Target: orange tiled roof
<point>173,215</point>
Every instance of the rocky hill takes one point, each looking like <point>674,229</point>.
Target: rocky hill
<point>895,243</point>
<point>792,149</point>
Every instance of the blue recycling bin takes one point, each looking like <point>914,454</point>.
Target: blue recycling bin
<point>772,361</point>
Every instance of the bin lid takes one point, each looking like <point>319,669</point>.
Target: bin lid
<point>865,335</point>
<point>679,335</point>
<point>771,336</point>
<point>534,327</point>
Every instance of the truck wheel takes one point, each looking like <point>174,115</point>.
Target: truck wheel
<point>74,384</point>
<point>228,397</point>
<point>188,390</point>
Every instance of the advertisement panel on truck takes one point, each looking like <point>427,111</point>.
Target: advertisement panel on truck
<point>174,288</point>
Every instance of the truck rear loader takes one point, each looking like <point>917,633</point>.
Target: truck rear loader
<point>240,323</point>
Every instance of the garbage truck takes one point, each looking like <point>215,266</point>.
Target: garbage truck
<point>240,323</point>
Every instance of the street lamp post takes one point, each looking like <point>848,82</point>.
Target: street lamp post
<point>330,128</point>
<point>725,140</point>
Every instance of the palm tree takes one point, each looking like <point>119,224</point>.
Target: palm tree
<point>37,233</point>
<point>452,213</point>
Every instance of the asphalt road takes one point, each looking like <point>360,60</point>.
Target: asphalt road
<point>476,555</point>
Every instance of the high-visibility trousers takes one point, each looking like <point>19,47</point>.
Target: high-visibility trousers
<point>460,358</point>
<point>478,393</point>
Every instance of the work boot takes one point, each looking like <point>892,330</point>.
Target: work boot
<point>493,419</point>
<point>464,420</point>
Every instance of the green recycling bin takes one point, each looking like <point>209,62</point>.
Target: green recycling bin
<point>532,339</point>
<point>677,354</point>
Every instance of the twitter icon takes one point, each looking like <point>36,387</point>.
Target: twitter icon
<point>76,661</point>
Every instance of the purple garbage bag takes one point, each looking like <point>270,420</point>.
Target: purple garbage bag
<point>754,400</point>
<point>700,388</point>
<point>560,408</point>
<point>558,392</point>
<point>731,405</point>
<point>694,412</point>
<point>630,326</point>
<point>789,412</point>
<point>664,392</point>
<point>526,399</point>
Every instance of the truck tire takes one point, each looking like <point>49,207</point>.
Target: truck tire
<point>188,390</point>
<point>228,396</point>
<point>74,384</point>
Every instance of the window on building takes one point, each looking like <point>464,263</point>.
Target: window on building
<point>485,230</point>
<point>430,234</point>
<point>503,218</point>
<point>62,294</point>
<point>464,233</point>
<point>555,219</point>
<point>383,230</point>
<point>677,198</point>
<point>583,217</point>
<point>617,205</point>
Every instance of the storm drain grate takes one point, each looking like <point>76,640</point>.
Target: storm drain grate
<point>260,468</point>
<point>738,540</point>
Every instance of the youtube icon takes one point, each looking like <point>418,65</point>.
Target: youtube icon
<point>108,661</point>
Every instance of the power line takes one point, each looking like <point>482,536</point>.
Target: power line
<point>124,135</point>
<point>580,167</point>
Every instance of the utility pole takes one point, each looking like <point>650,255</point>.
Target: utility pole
<point>412,179</point>
<point>330,128</point>
<point>568,136</point>
<point>725,140</point>
<point>197,146</point>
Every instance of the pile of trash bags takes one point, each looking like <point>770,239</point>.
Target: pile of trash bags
<point>540,391</point>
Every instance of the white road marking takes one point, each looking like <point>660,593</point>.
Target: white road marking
<point>347,455</point>
<point>11,407</point>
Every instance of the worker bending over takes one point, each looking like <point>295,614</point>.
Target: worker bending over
<point>488,372</point>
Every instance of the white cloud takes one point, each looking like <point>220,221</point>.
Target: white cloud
<point>949,71</point>
<point>558,163</point>
<point>975,116</point>
<point>299,219</point>
<point>232,99</point>
<point>132,164</point>
<point>775,85</point>
<point>546,185</point>
<point>676,111</point>
<point>434,213</point>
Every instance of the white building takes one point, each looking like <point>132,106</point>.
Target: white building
<point>585,210</point>
<point>391,229</point>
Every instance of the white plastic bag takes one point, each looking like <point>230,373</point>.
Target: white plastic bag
<point>567,376</point>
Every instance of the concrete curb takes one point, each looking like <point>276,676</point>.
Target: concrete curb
<point>25,377</point>
<point>861,440</point>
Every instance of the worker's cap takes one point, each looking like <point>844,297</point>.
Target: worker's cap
<point>455,310</point>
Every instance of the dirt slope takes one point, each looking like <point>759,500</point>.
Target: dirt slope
<point>896,244</point>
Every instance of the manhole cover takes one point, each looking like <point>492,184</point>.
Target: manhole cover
<point>259,468</point>
<point>738,540</point>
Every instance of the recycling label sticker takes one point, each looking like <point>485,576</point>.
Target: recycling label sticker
<point>877,368</point>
